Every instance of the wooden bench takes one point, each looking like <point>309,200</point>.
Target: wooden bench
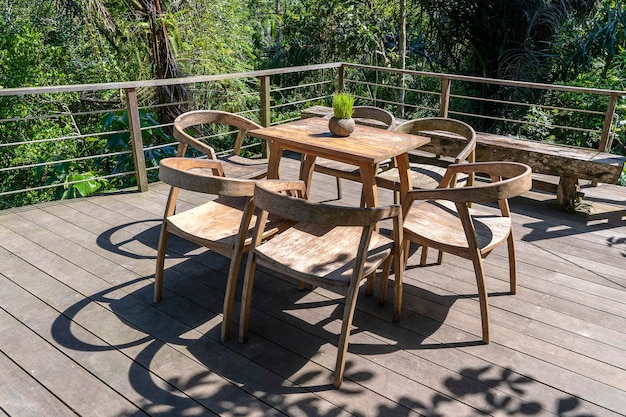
<point>569,163</point>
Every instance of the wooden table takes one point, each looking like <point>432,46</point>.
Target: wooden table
<point>366,147</point>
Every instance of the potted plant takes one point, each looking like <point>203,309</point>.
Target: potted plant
<point>342,123</point>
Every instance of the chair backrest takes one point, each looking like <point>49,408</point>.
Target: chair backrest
<point>371,116</point>
<point>449,137</point>
<point>203,176</point>
<point>198,118</point>
<point>364,113</point>
<point>508,179</point>
<point>268,197</point>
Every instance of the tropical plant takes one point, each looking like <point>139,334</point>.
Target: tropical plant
<point>119,141</point>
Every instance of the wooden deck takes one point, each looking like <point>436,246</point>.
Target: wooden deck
<point>80,335</point>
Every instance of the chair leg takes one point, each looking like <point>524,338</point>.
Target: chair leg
<point>482,294</point>
<point>369,286</point>
<point>339,193</point>
<point>246,297</point>
<point>512,264</point>
<point>407,248</point>
<point>424,256</point>
<point>384,280</point>
<point>229,296</point>
<point>342,347</point>
<point>160,263</point>
<point>439,257</point>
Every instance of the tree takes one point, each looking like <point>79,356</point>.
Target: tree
<point>500,39</point>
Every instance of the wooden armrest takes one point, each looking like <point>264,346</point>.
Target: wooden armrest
<point>187,140</point>
<point>202,175</point>
<point>278,186</point>
<point>468,153</point>
<point>182,164</point>
<point>495,170</point>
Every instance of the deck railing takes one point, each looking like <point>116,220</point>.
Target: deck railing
<point>62,137</point>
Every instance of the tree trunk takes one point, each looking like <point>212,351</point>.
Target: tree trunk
<point>165,64</point>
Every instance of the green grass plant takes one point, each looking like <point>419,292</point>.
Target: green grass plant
<point>342,105</point>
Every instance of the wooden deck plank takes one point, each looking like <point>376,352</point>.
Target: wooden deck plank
<point>76,280</point>
<point>22,395</point>
<point>416,340</point>
<point>75,386</point>
<point>169,361</point>
<point>511,308</point>
<point>606,329</point>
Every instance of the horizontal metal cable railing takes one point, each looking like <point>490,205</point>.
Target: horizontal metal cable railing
<point>112,135</point>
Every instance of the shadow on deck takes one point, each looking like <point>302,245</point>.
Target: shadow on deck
<point>79,333</point>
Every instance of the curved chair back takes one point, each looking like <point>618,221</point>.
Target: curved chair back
<point>268,198</point>
<point>209,117</point>
<point>449,137</point>
<point>365,113</point>
<point>508,179</point>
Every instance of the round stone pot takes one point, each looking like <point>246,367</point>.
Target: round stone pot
<point>341,127</point>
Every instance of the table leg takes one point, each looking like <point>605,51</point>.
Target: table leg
<point>368,178</point>
<point>273,165</point>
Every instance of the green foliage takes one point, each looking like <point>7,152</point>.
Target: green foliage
<point>41,46</point>
<point>342,105</point>
<point>81,41</point>
<point>72,184</point>
<point>119,140</point>
<point>214,37</point>
<point>540,124</point>
<point>318,31</point>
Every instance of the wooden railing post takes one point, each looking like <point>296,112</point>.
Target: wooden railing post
<point>136,141</point>
<point>606,139</point>
<point>341,72</point>
<point>266,110</point>
<point>444,100</point>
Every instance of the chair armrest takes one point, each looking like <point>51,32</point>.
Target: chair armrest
<point>495,169</point>
<point>278,186</point>
<point>186,164</point>
<point>187,140</point>
<point>467,153</point>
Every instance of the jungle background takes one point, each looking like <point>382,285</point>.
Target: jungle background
<point>43,43</point>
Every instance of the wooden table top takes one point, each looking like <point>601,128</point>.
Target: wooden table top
<point>365,145</point>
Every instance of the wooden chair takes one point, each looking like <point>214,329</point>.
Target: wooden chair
<point>191,126</point>
<point>330,246</point>
<point>441,219</point>
<point>450,138</point>
<point>222,225</point>
<point>369,115</point>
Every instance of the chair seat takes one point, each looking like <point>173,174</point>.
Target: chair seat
<point>423,176</point>
<point>239,167</point>
<point>325,254</point>
<point>337,169</point>
<point>215,224</point>
<point>436,224</point>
